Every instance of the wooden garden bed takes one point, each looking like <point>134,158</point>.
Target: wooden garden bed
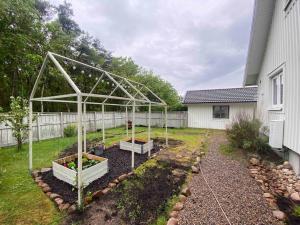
<point>139,146</point>
<point>89,174</point>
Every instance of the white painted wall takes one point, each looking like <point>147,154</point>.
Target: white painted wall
<point>201,115</point>
<point>283,49</point>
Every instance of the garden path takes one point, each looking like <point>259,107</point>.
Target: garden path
<point>239,195</point>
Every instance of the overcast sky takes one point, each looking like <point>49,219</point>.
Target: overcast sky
<point>194,44</point>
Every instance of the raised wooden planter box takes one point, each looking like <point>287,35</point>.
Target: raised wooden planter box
<point>139,146</point>
<point>88,175</point>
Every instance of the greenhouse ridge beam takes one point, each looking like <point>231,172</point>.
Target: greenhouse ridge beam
<point>111,75</point>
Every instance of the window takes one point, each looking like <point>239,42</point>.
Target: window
<point>221,111</point>
<point>277,90</point>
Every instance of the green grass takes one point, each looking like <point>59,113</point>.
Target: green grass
<point>22,202</point>
<point>227,149</point>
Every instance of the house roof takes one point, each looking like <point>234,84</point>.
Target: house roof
<point>228,95</point>
<point>261,23</point>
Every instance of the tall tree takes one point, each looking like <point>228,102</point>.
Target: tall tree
<point>21,41</point>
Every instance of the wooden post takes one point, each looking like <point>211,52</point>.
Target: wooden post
<point>166,125</point>
<point>84,127</point>
<point>30,135</point>
<point>38,127</point>
<point>114,120</point>
<point>95,121</point>
<point>126,120</point>
<point>149,128</point>
<point>133,135</point>
<point>103,127</point>
<point>61,124</point>
<point>79,131</point>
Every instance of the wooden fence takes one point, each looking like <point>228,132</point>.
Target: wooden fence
<point>51,125</point>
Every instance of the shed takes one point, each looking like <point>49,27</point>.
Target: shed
<point>217,108</point>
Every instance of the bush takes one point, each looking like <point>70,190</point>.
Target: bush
<point>244,133</point>
<point>70,131</point>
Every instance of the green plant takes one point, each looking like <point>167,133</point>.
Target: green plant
<point>244,133</point>
<point>70,130</point>
<point>15,119</point>
<point>296,211</point>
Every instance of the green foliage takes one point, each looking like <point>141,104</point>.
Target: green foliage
<point>15,119</point>
<point>226,149</point>
<point>70,130</point>
<point>296,211</point>
<point>244,133</point>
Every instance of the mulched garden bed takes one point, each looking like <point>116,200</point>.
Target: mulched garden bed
<point>138,201</point>
<point>119,162</point>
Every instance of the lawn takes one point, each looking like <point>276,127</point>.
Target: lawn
<point>22,202</point>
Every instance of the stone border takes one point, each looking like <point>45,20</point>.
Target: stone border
<point>275,181</point>
<point>184,194</point>
<point>65,206</point>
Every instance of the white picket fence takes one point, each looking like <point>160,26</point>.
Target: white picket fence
<point>51,125</point>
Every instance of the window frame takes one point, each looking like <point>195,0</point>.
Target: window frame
<point>278,77</point>
<point>220,113</point>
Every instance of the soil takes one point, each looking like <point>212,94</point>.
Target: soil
<point>171,142</point>
<point>119,162</point>
<point>144,198</point>
<point>137,142</point>
<point>287,206</point>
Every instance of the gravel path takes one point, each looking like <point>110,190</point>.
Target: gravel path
<point>239,195</point>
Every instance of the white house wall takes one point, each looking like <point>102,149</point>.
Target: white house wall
<point>201,115</point>
<point>283,49</point>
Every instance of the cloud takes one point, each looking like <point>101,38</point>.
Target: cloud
<point>193,44</point>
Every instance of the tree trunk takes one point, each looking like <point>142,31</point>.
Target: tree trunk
<point>19,143</point>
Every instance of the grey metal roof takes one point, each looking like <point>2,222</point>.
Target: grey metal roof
<point>228,95</point>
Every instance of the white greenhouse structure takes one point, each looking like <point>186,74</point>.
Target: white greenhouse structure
<point>91,85</point>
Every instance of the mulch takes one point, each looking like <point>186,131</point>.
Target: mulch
<point>119,162</point>
<point>239,194</point>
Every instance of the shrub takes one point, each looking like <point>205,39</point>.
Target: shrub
<point>70,130</point>
<point>244,133</point>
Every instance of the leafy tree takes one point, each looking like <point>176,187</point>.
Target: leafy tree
<point>15,119</point>
<point>31,28</point>
<point>21,39</point>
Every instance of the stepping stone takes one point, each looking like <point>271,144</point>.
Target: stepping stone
<point>178,206</point>
<point>172,221</point>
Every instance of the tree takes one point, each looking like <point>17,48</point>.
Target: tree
<point>15,119</point>
<point>21,41</point>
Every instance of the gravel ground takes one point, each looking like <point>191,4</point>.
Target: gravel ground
<point>239,194</point>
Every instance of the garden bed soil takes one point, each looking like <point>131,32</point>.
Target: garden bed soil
<point>171,142</point>
<point>155,187</point>
<point>119,162</point>
<point>139,142</point>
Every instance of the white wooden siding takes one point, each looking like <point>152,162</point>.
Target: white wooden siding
<point>283,48</point>
<point>201,115</point>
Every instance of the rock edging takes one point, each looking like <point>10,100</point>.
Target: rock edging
<point>65,206</point>
<point>185,193</point>
<point>275,181</point>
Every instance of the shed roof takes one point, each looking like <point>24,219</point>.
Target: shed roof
<point>228,95</point>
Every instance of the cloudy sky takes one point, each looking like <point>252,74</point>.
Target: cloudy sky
<point>194,44</point>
